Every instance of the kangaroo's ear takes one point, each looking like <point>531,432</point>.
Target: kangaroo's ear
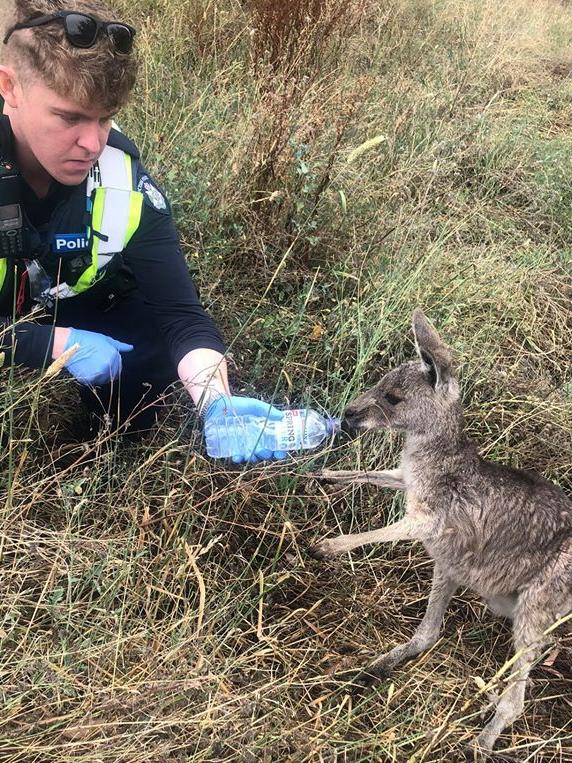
<point>433,351</point>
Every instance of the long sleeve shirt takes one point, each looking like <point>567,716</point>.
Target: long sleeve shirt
<point>153,258</point>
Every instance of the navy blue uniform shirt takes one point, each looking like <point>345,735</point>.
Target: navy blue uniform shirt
<point>162,285</point>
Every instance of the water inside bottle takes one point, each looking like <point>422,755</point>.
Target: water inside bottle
<point>299,429</point>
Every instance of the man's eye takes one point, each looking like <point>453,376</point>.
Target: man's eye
<point>70,120</point>
<point>392,399</point>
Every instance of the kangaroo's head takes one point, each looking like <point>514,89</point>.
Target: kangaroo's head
<point>417,397</point>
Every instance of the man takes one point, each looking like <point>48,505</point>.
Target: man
<point>85,233</point>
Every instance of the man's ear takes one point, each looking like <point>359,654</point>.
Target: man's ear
<point>9,86</point>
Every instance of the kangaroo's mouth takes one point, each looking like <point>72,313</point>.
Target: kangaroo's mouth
<point>348,428</point>
<point>368,418</point>
<point>355,424</point>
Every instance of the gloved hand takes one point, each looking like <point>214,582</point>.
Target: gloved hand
<point>98,359</point>
<point>246,406</point>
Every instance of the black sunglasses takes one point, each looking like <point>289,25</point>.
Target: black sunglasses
<point>82,30</point>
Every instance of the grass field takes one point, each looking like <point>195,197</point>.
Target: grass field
<point>330,167</point>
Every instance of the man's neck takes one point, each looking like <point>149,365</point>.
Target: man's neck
<point>32,172</point>
<point>39,183</point>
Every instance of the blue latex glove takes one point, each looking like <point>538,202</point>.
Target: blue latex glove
<point>246,406</point>
<point>98,359</point>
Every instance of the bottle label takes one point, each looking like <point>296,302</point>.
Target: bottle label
<point>289,440</point>
<point>290,432</point>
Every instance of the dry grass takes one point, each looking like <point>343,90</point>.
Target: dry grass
<point>157,606</point>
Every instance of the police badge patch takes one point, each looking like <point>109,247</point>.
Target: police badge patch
<point>146,186</point>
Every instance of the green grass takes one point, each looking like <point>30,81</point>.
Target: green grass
<point>157,606</point>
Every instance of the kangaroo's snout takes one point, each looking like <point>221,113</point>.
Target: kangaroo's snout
<point>349,423</point>
<point>361,414</point>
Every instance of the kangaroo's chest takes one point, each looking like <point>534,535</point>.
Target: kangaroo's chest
<point>458,547</point>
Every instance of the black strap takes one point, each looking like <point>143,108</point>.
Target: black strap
<point>7,153</point>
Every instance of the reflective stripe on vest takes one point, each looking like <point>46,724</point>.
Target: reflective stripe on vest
<point>115,216</point>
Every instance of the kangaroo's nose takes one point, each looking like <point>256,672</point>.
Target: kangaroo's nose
<point>349,422</point>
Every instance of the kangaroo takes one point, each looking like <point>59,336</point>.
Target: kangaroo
<point>502,532</point>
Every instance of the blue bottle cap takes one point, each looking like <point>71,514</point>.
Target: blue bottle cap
<point>333,424</point>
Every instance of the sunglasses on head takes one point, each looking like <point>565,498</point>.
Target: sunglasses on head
<point>82,30</point>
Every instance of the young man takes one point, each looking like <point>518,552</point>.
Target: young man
<point>86,235</point>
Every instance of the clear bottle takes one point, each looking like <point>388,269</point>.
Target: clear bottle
<point>299,429</point>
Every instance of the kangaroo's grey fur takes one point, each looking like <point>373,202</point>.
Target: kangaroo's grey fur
<point>502,532</point>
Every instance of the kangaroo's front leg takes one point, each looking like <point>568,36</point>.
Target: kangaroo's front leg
<point>405,529</point>
<point>387,478</point>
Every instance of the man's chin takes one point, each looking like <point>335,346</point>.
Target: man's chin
<point>71,177</point>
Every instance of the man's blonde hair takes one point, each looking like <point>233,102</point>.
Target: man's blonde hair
<point>97,76</point>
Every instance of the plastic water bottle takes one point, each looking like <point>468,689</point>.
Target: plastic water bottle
<point>299,429</point>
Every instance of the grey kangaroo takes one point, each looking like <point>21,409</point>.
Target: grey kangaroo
<point>502,532</point>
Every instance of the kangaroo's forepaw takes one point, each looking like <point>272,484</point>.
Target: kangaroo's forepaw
<point>337,475</point>
<point>326,549</point>
<point>325,475</point>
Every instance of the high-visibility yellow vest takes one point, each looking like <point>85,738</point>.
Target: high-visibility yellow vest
<point>115,208</point>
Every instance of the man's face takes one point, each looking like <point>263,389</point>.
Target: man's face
<point>57,134</point>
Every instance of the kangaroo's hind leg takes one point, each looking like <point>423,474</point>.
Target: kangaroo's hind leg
<point>427,633</point>
<point>536,609</point>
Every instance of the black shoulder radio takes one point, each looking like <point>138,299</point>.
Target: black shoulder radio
<point>11,219</point>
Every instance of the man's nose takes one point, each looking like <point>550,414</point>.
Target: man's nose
<point>92,139</point>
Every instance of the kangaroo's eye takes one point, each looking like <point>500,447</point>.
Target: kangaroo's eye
<point>392,399</point>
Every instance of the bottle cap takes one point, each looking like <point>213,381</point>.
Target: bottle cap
<point>333,424</point>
